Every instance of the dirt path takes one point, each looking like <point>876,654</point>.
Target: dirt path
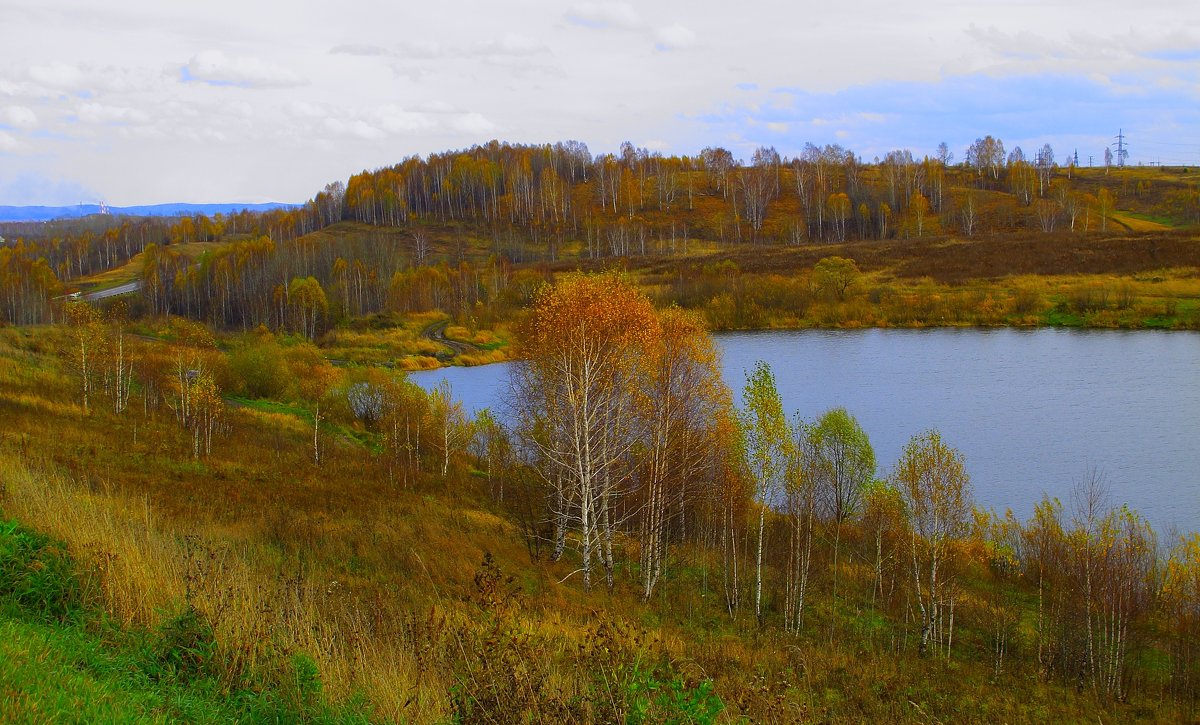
<point>1134,224</point>
<point>437,333</point>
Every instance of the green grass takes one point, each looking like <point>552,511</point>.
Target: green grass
<point>63,661</point>
<point>1156,219</point>
<point>64,674</point>
<point>354,435</point>
<point>271,406</point>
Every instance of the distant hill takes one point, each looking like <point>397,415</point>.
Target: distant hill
<point>46,213</point>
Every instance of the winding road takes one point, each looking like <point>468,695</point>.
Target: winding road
<point>437,333</point>
<point>122,289</point>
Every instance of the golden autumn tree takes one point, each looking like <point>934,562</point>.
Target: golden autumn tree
<point>309,305</point>
<point>207,409</point>
<point>317,379</point>
<point>87,334</point>
<point>683,403</point>
<point>1181,603</point>
<point>583,352</point>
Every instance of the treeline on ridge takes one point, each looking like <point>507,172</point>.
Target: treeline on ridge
<point>556,201</point>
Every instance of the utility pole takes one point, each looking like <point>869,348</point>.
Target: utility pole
<point>1122,152</point>
<point>1090,157</point>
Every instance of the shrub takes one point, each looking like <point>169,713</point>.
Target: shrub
<point>36,574</point>
<point>258,368</point>
<point>184,649</point>
<point>652,700</point>
<point>1026,301</point>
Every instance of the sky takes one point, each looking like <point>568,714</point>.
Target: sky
<point>142,102</point>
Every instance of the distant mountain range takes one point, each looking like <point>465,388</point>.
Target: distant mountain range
<point>46,213</point>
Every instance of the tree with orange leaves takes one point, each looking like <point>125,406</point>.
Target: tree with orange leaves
<point>584,350</point>
<point>683,403</point>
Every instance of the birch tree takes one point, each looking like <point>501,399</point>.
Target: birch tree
<point>801,508</point>
<point>87,335</point>
<point>843,464</point>
<point>933,481</point>
<point>451,421</point>
<point>317,379</point>
<point>583,352</point>
<point>683,402</point>
<point>766,433</point>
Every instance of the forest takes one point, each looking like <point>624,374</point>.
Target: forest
<point>457,231</point>
<point>222,499</point>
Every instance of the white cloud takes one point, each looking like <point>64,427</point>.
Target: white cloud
<point>213,66</point>
<point>101,113</point>
<point>419,49</point>
<point>364,50</point>
<point>675,37</point>
<point>203,134</point>
<point>396,120</point>
<point>153,133</point>
<point>605,15</point>
<point>472,123</point>
<point>355,127</point>
<point>8,143</point>
<point>511,44</point>
<point>305,109</point>
<point>19,116</point>
<point>58,75</point>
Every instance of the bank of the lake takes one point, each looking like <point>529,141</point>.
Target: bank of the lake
<point>1032,410</point>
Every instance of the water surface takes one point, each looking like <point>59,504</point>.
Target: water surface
<point>1032,411</point>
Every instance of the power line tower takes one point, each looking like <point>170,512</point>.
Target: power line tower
<point>1122,150</point>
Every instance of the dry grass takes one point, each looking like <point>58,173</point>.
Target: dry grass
<point>1134,224</point>
<point>147,569</point>
<point>376,580</point>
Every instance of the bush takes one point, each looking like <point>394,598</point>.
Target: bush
<point>1026,301</point>
<point>258,368</point>
<point>36,574</point>
<point>1088,298</point>
<point>185,648</point>
<point>652,700</point>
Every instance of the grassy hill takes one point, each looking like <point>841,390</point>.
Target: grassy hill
<point>139,582</point>
<point>207,521</point>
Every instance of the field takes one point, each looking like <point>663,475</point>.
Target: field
<point>254,583</point>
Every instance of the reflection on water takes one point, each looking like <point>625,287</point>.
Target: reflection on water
<point>1031,410</point>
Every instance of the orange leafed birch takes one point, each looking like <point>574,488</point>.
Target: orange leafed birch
<point>584,350</point>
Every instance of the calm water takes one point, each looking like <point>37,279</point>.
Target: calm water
<point>1032,411</point>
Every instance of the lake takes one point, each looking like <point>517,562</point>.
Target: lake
<point>1032,411</point>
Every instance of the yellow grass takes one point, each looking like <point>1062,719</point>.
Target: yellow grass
<point>1137,225</point>
<point>146,570</point>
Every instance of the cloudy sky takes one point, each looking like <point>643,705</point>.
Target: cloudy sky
<point>140,101</point>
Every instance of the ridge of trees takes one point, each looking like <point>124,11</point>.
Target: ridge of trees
<point>546,201</point>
